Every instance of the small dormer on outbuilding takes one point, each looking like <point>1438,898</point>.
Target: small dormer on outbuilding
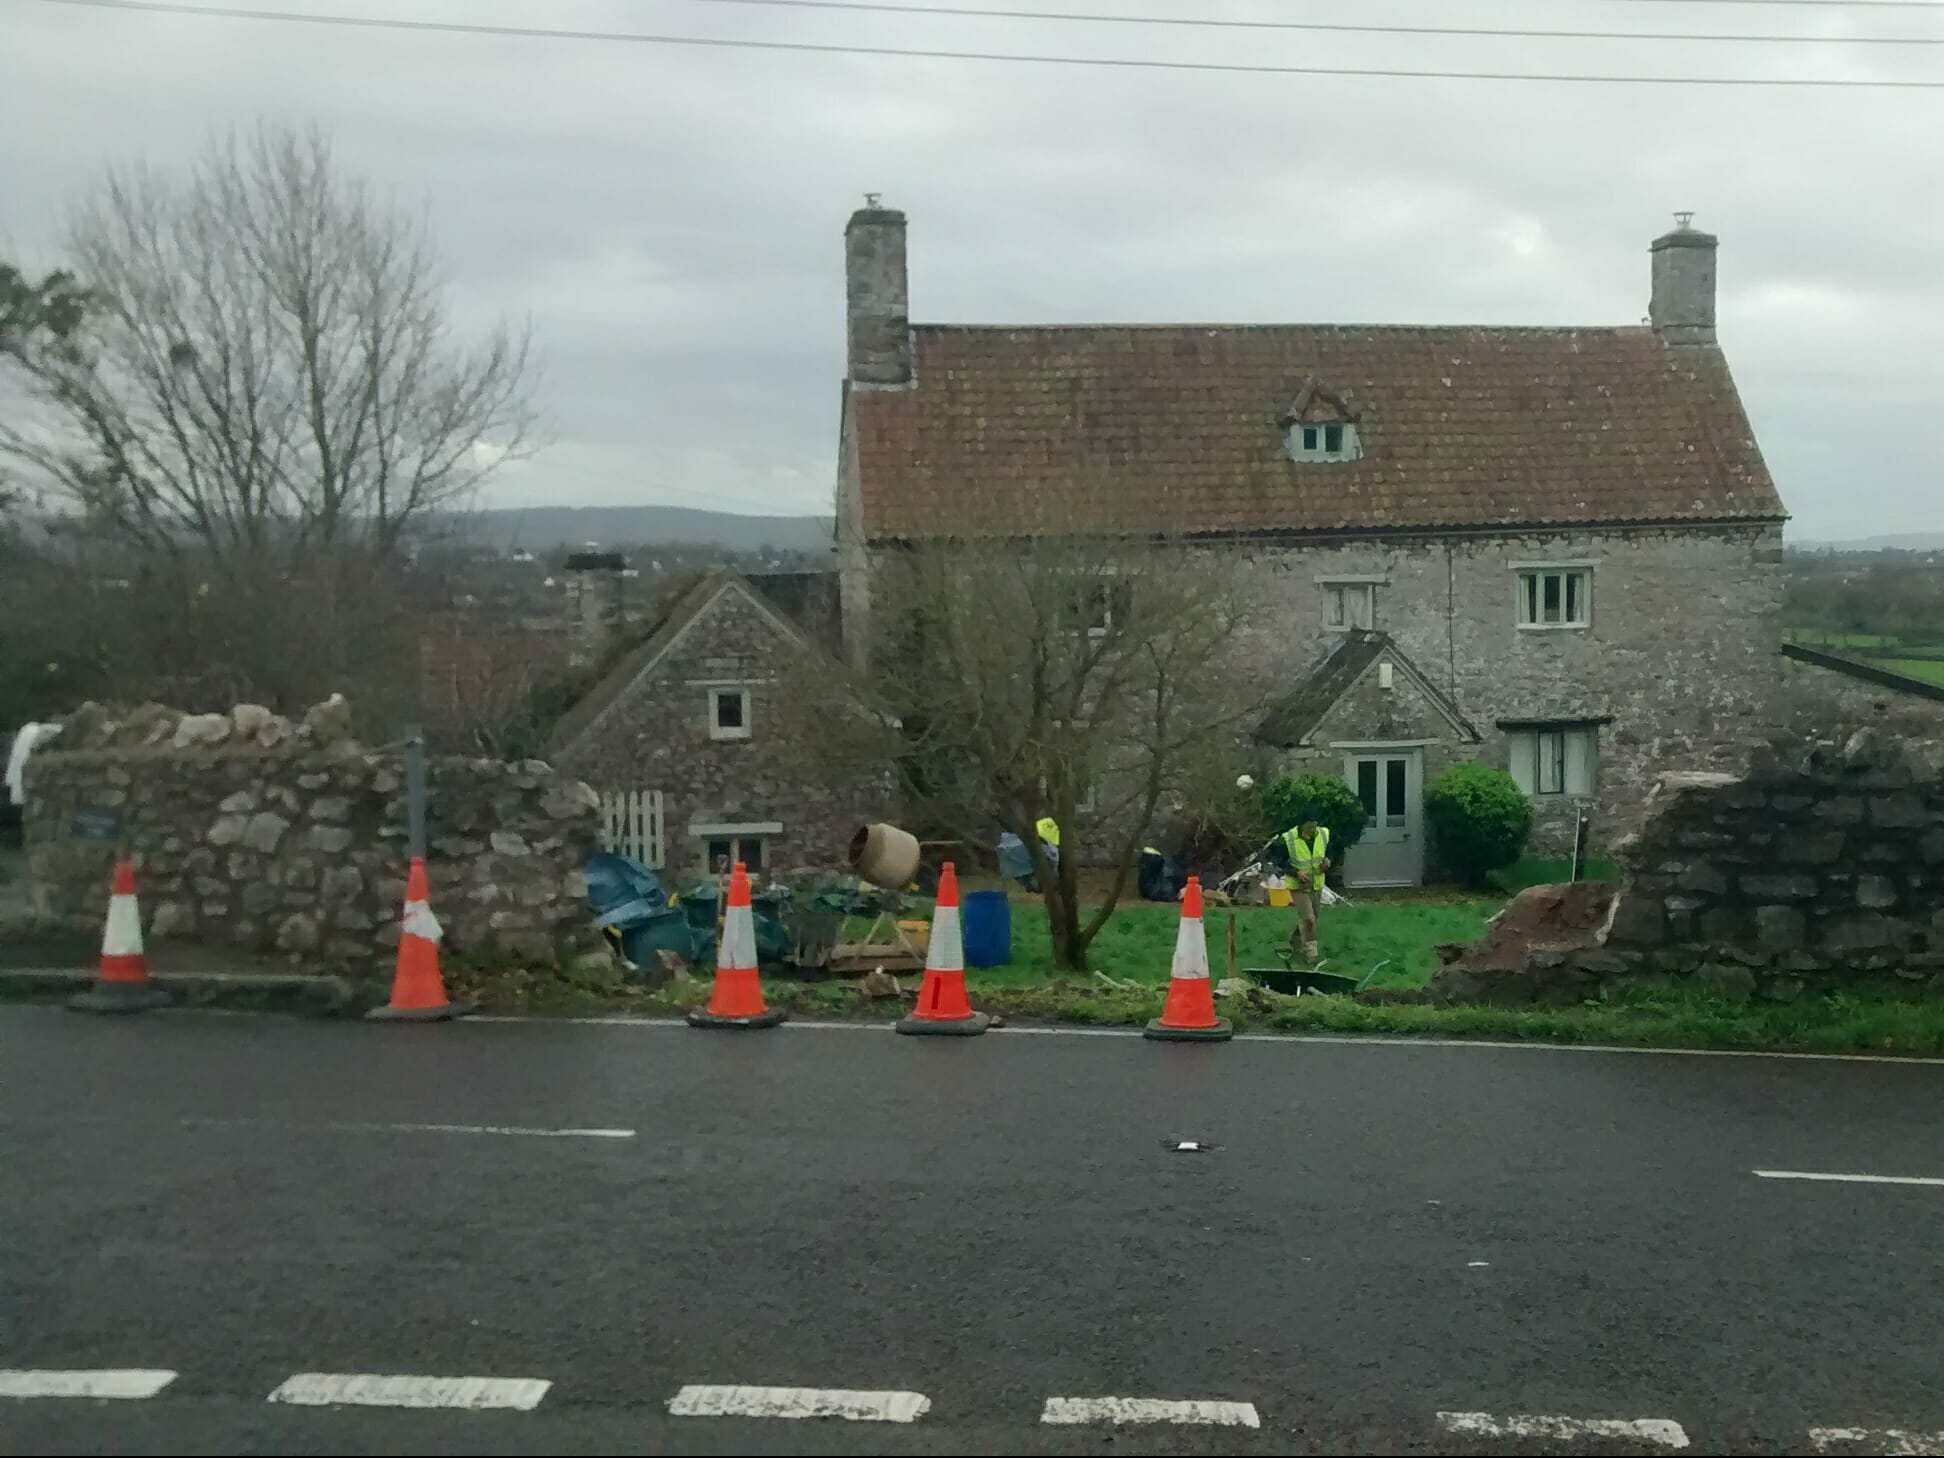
<point>1318,426</point>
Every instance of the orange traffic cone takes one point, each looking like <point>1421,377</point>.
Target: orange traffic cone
<point>1189,1013</point>
<point>942,1007</point>
<point>122,984</point>
<point>418,991</point>
<point>736,1000</point>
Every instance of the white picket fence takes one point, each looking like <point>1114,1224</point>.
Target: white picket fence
<point>632,825</point>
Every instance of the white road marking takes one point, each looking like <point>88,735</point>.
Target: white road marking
<point>1068,1410</point>
<point>126,1383</point>
<point>799,1402</point>
<point>340,1126</point>
<point>1845,1179</point>
<point>1894,1442</point>
<point>1658,1432</point>
<point>1388,1040</point>
<point>369,1389</point>
<point>498,1129</point>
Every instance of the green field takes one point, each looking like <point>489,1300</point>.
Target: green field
<point>1931,670</point>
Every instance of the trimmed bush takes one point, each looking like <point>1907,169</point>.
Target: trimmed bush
<point>1326,797</point>
<point>1480,817</point>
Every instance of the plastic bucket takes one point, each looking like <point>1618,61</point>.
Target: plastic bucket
<point>986,918</point>
<point>1279,896</point>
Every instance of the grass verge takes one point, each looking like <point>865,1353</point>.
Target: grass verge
<point>1887,1017</point>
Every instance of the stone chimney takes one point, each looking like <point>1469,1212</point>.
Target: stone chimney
<point>595,610</point>
<point>1683,306</point>
<point>876,297</point>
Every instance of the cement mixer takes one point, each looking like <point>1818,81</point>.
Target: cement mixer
<point>885,856</point>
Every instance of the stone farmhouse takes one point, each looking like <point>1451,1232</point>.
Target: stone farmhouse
<point>711,716</point>
<point>1555,550</point>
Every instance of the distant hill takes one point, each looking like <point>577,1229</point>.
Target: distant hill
<point>538,528</point>
<point>1894,542</point>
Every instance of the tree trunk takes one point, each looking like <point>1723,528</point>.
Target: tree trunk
<point>1063,921</point>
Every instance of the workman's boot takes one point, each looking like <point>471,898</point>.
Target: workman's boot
<point>1312,954</point>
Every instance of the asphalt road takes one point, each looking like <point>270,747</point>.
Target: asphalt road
<point>1383,1234</point>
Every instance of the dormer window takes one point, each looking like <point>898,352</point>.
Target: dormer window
<point>1318,426</point>
<point>1334,441</point>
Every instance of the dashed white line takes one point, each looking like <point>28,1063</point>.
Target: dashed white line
<point>370,1389</point>
<point>343,1126</point>
<point>1892,1442</point>
<point>1129,1410</point>
<point>1846,1179</point>
<point>1658,1432</point>
<point>122,1383</point>
<point>799,1402</point>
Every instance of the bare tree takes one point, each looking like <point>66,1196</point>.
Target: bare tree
<point>262,390</point>
<point>1086,679</point>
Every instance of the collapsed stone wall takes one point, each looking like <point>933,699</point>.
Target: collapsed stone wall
<point>1823,861</point>
<point>249,831</point>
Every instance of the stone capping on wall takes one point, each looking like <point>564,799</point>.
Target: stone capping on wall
<point>250,832</point>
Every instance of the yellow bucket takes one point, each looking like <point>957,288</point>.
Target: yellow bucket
<point>1279,896</point>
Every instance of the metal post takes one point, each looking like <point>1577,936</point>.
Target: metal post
<point>415,791</point>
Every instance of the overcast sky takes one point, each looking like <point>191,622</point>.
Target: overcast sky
<point>671,218</point>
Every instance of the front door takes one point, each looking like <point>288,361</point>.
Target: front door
<point>1390,782</point>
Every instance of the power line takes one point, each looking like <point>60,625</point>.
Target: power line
<point>1808,4</point>
<point>524,32</point>
<point>882,7</point>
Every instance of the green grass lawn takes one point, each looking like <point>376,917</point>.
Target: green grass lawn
<point>1931,670</point>
<point>1395,937</point>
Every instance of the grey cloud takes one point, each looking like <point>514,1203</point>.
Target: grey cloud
<point>671,219</point>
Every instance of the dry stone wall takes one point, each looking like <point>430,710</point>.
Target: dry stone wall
<point>1823,862</point>
<point>249,831</point>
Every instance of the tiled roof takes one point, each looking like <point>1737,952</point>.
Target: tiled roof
<point>1173,428</point>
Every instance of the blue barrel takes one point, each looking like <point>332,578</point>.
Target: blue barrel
<point>987,921</point>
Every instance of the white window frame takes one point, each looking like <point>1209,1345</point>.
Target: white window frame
<point>1340,597</point>
<point>737,853</point>
<point>1100,614</point>
<point>1303,432</point>
<point>1555,761</point>
<point>717,729</point>
<point>1529,595</point>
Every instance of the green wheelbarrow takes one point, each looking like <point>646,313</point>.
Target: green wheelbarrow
<point>1294,981</point>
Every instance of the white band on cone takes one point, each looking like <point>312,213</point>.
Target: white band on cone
<point>122,936</point>
<point>420,922</point>
<point>1191,950</point>
<point>945,952</point>
<point>738,951</point>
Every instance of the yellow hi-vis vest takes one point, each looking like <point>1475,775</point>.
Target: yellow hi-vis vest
<point>1307,859</point>
<point>1049,830</point>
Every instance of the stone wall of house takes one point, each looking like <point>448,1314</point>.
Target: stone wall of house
<point>249,831</point>
<point>798,768</point>
<point>1677,660</point>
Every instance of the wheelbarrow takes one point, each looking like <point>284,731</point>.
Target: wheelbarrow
<point>1295,981</point>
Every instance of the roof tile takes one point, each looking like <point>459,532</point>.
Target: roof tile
<point>1174,428</point>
